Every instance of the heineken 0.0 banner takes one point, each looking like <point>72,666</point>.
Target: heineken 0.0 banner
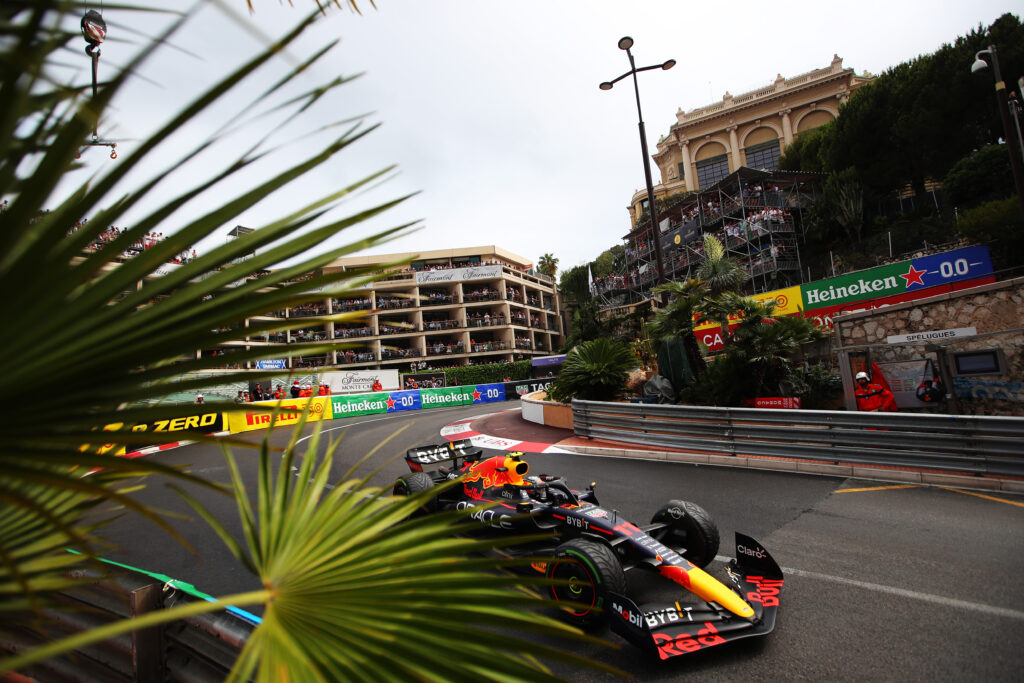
<point>359,404</point>
<point>461,396</point>
<point>898,278</point>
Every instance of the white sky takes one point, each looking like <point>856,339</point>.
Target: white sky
<point>492,111</point>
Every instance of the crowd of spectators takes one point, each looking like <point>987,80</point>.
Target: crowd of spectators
<point>484,319</point>
<point>354,304</point>
<point>438,348</point>
<point>385,302</point>
<point>393,353</point>
<point>350,332</point>
<point>481,294</point>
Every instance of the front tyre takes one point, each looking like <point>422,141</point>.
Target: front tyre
<point>413,483</point>
<point>585,572</point>
<point>688,528</point>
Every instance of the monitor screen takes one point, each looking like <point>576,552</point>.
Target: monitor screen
<point>977,363</point>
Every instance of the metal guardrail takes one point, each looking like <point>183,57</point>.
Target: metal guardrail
<point>199,649</point>
<point>960,443</point>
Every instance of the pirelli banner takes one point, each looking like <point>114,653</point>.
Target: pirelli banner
<point>289,414</point>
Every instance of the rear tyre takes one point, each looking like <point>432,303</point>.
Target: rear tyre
<point>586,572</point>
<point>688,528</point>
<point>413,483</point>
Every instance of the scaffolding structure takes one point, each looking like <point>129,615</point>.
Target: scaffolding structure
<point>756,215</point>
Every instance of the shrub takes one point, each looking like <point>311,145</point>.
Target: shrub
<point>594,371</point>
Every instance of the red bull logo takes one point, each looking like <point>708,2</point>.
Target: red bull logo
<point>497,471</point>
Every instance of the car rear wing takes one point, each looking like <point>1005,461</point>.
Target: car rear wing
<point>457,452</point>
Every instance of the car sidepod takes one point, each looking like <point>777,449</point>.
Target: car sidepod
<point>670,630</point>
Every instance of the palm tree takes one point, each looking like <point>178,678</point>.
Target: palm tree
<point>113,347</point>
<point>768,345</point>
<point>676,320</point>
<point>547,265</point>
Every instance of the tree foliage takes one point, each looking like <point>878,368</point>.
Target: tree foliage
<point>594,371</point>
<point>331,559</point>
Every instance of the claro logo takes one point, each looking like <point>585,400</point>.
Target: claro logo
<point>758,552</point>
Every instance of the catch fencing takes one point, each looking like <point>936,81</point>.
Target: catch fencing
<point>968,444</point>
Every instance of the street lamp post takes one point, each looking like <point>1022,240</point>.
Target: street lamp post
<point>625,44</point>
<point>1013,143</point>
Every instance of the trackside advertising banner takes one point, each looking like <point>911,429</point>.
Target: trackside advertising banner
<point>461,396</point>
<point>291,411</point>
<point>885,285</point>
<point>376,402</point>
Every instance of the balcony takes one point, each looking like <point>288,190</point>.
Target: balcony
<point>394,302</point>
<point>476,296</point>
<point>437,299</point>
<point>484,347</point>
<point>485,320</point>
<point>438,325</point>
<point>383,329</point>
<point>345,305</point>
<point>440,349</point>
<point>352,332</point>
<point>396,354</point>
<point>351,356</point>
<point>307,311</point>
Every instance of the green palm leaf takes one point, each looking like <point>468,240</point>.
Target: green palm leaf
<point>348,580</point>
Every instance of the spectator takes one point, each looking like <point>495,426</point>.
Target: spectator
<point>199,399</point>
<point>377,386</point>
<point>296,389</point>
<point>240,398</point>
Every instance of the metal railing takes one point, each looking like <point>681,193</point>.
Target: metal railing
<point>200,649</point>
<point>961,443</point>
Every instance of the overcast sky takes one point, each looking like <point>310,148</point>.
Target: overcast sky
<point>491,110</point>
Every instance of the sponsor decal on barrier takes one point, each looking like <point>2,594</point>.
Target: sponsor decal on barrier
<point>460,396</point>
<point>289,414</point>
<point>403,400</point>
<point>206,423</point>
<point>784,402</point>
<point>359,404</point>
<point>521,388</point>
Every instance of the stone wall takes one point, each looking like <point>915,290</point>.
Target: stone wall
<point>995,310</point>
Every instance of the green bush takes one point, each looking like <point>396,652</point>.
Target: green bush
<point>487,374</point>
<point>594,371</point>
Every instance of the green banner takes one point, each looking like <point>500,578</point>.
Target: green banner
<point>359,404</point>
<point>452,396</point>
<point>866,284</point>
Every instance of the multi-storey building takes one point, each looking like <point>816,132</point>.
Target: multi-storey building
<point>448,307</point>
<point>718,176</point>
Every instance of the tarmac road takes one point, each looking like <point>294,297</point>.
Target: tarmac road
<point>883,582</point>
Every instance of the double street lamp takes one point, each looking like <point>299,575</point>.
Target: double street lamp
<point>625,44</point>
<point>1013,142</point>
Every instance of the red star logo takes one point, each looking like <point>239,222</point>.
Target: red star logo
<point>913,276</point>
<point>476,396</point>
<point>391,403</point>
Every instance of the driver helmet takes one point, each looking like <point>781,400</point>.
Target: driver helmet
<point>862,375</point>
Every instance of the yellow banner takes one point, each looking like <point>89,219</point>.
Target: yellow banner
<point>291,411</point>
<point>787,301</point>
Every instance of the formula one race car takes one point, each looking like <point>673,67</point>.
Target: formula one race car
<point>594,547</point>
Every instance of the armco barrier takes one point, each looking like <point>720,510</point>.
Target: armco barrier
<point>959,443</point>
<point>199,649</point>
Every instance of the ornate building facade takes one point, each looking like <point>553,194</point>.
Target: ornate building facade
<point>749,130</point>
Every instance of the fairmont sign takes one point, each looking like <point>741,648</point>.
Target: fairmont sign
<point>425,277</point>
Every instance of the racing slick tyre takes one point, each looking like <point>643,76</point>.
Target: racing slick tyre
<point>690,528</point>
<point>413,483</point>
<point>586,571</point>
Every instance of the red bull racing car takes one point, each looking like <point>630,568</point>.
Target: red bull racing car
<point>594,547</point>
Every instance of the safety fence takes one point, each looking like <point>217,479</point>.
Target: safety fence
<point>198,649</point>
<point>959,443</point>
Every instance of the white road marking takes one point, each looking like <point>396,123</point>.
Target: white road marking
<point>904,593</point>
